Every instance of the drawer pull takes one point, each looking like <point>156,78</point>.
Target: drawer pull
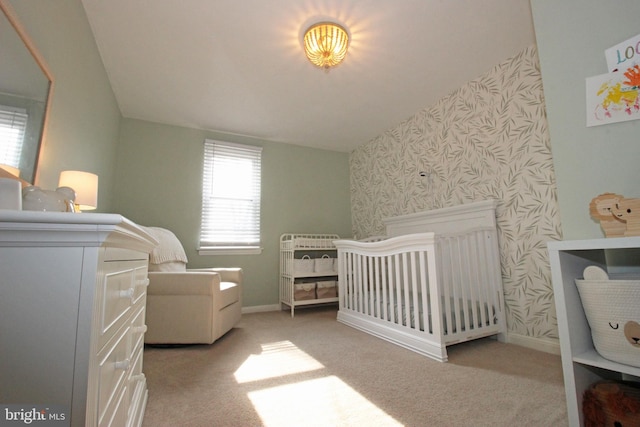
<point>138,329</point>
<point>127,293</point>
<point>124,364</point>
<point>136,378</point>
<point>142,283</point>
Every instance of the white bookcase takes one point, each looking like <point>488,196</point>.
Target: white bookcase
<point>293,247</point>
<point>581,364</point>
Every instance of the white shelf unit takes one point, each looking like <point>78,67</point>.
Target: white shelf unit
<point>295,246</point>
<point>581,364</point>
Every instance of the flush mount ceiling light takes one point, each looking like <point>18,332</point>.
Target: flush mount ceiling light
<point>326,44</point>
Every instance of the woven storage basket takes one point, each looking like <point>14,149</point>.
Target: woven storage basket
<point>327,289</point>
<point>612,308</point>
<point>304,291</point>
<point>324,264</point>
<point>304,265</point>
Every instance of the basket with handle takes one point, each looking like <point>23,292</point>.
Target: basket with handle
<point>324,264</point>
<point>612,308</point>
<point>304,265</point>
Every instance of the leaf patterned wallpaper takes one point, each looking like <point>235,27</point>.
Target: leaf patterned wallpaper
<point>486,140</point>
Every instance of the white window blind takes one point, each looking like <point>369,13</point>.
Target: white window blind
<point>230,196</point>
<point>13,123</point>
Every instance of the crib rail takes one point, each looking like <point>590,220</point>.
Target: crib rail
<point>422,291</point>
<point>470,284</point>
<point>384,286</point>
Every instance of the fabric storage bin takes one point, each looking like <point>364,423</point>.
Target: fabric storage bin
<point>612,308</point>
<point>327,289</point>
<point>324,264</point>
<point>304,291</point>
<point>304,265</point>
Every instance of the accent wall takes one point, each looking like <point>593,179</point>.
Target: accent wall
<point>486,140</point>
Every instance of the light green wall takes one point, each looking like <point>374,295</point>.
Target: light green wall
<point>84,118</point>
<point>153,174</point>
<point>572,36</point>
<point>159,184</point>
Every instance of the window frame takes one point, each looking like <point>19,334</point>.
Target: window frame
<point>242,152</point>
<point>13,118</point>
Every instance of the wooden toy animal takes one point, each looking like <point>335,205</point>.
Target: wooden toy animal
<point>628,210</point>
<point>600,210</point>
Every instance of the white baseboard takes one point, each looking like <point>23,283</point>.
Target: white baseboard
<point>261,308</point>
<point>547,345</point>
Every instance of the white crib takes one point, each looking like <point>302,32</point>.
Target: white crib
<point>433,282</point>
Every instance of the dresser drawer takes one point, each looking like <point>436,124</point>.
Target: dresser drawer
<point>123,284</point>
<point>118,415</point>
<point>137,389</point>
<point>114,365</point>
<point>138,328</point>
<point>136,379</point>
<point>141,284</point>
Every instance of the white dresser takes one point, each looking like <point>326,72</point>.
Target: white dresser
<point>72,310</point>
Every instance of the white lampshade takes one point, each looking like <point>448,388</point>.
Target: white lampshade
<point>12,170</point>
<point>85,184</point>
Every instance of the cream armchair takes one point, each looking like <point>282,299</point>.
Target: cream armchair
<point>195,306</point>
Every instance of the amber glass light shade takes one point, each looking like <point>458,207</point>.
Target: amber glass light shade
<point>325,44</point>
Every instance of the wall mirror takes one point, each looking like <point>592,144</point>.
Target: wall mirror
<point>25,86</point>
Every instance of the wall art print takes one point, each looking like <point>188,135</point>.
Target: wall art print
<point>613,97</point>
<point>486,140</point>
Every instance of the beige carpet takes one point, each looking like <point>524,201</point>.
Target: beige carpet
<point>272,370</point>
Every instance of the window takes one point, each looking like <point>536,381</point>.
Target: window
<point>13,123</point>
<point>230,199</point>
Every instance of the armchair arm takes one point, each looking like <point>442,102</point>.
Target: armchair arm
<point>184,283</point>
<point>226,274</point>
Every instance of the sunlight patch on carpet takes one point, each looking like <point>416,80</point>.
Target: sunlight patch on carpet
<point>326,401</point>
<point>276,360</point>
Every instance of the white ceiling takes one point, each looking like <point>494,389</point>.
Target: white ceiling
<point>238,67</point>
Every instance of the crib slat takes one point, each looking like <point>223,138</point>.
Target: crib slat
<point>482,280</point>
<point>436,330</point>
<point>414,307</point>
<point>373,280</point>
<point>364,283</point>
<point>445,283</point>
<point>424,293</point>
<point>469,263</point>
<point>392,297</point>
<point>405,288</point>
<point>398,318</point>
<point>347,279</point>
<point>455,285</point>
<point>385,290</point>
<point>494,285</point>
